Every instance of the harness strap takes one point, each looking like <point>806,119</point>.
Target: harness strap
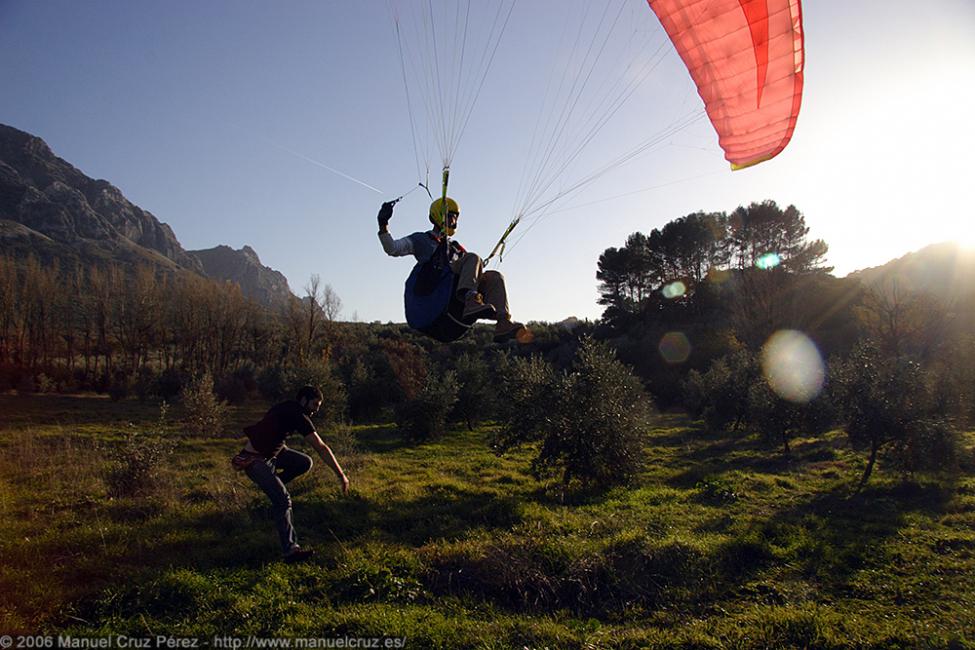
<point>459,322</point>
<point>456,245</point>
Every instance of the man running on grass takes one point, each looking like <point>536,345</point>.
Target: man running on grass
<point>270,464</point>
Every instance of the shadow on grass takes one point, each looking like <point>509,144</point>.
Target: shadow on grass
<point>444,513</point>
<point>247,538</point>
<point>381,440</point>
<point>68,410</point>
<point>678,431</point>
<point>747,453</point>
<point>99,574</point>
<point>834,535</point>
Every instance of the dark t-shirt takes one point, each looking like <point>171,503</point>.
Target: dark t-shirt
<point>268,435</point>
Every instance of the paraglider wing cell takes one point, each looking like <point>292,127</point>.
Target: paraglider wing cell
<point>746,57</point>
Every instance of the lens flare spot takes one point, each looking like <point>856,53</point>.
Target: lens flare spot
<point>674,347</point>
<point>674,290</point>
<point>793,366</point>
<point>768,261</point>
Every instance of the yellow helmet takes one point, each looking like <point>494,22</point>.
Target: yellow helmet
<point>437,215</point>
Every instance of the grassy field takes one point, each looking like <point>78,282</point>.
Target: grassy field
<point>721,543</point>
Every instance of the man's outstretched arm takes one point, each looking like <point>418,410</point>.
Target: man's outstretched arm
<point>329,459</point>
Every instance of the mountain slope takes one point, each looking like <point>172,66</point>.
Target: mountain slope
<point>945,270</point>
<point>51,197</point>
<point>51,210</point>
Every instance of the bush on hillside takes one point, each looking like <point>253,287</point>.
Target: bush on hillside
<point>591,421</point>
<point>203,412</point>
<point>780,420</point>
<point>720,395</point>
<point>369,394</point>
<point>45,384</point>
<point>135,463</point>
<point>425,416</point>
<point>890,405</point>
<point>476,396</point>
<point>408,366</point>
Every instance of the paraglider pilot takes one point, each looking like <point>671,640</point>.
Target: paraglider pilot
<point>482,292</point>
<point>271,464</point>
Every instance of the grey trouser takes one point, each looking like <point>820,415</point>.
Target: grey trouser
<point>271,476</point>
<point>489,284</point>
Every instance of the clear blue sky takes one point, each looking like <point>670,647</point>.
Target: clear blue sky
<point>209,115</point>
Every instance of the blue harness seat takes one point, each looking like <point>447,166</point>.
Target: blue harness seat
<point>431,300</point>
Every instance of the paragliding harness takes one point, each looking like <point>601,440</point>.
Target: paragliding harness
<point>432,306</point>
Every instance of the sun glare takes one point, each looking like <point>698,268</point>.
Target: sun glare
<point>965,235</point>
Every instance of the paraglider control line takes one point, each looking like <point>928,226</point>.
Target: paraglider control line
<point>403,196</point>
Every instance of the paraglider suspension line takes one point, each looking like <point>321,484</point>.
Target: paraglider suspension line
<point>443,206</point>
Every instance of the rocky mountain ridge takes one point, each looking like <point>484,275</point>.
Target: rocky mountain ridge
<point>53,211</point>
<point>244,267</point>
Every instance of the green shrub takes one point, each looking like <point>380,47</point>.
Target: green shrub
<point>203,412</point>
<point>9,376</point>
<point>368,394</point>
<point>476,396</point>
<point>716,489</point>
<point>135,463</point>
<point>237,386</point>
<point>889,405</point>
<point>363,579</point>
<point>528,393</point>
<point>61,380</point>
<point>408,366</point>
<point>425,416</point>
<point>44,384</point>
<point>533,568</point>
<point>720,395</point>
<point>322,375</point>
<point>342,441</point>
<point>526,567</point>
<point>779,419</point>
<point>591,421</point>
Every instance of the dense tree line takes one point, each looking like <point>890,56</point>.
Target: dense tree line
<point>135,331</point>
<point>689,309</point>
<point>92,327</point>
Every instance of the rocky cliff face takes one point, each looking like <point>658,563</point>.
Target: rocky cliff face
<point>244,267</point>
<point>51,210</point>
<point>52,198</point>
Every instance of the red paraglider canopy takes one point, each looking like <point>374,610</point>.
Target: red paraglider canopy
<point>746,57</point>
